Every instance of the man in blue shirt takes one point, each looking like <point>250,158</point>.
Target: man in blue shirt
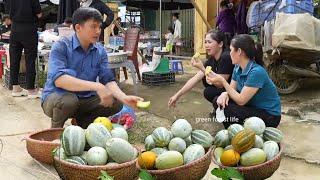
<point>75,63</point>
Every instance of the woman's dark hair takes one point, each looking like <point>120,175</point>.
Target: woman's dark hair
<point>247,45</point>
<point>224,3</point>
<point>219,36</point>
<point>82,15</point>
<point>170,29</point>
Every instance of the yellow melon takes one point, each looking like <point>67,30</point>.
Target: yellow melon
<point>104,121</point>
<point>230,157</point>
<point>147,160</point>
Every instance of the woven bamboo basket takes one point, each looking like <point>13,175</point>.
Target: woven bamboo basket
<point>40,145</point>
<point>70,171</point>
<point>192,171</point>
<point>260,171</point>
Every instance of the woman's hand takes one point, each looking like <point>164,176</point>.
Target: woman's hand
<point>214,78</point>
<point>223,100</point>
<point>196,62</point>
<point>173,100</point>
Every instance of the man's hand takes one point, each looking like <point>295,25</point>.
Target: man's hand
<point>105,95</point>
<point>131,100</point>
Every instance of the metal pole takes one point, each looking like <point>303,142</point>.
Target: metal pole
<point>160,25</point>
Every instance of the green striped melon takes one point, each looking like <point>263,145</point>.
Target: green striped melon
<point>97,156</point>
<point>218,152</point>
<point>171,135</point>
<point>84,155</point>
<point>159,151</point>
<point>73,140</point>
<point>256,124</point>
<point>177,144</point>
<point>76,160</point>
<point>181,128</point>
<point>243,141</point>
<point>272,134</point>
<point>60,153</point>
<point>120,150</point>
<point>271,148</point>
<point>149,143</point>
<point>202,137</point>
<point>161,137</point>
<point>169,159</point>
<point>188,141</point>
<point>253,157</point>
<point>119,133</point>
<point>258,143</point>
<point>233,129</point>
<point>97,135</point>
<point>222,138</point>
<point>192,153</point>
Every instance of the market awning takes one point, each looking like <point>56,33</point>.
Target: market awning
<point>154,4</point>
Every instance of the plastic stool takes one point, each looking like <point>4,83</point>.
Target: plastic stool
<point>176,66</point>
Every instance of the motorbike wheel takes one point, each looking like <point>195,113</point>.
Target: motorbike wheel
<point>284,84</point>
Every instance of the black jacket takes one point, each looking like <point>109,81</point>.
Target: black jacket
<point>104,10</point>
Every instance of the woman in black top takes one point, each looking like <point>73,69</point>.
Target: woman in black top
<point>219,60</point>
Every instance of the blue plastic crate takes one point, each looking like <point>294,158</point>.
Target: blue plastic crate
<point>267,9</point>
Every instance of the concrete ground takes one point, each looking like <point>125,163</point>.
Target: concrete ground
<point>300,125</point>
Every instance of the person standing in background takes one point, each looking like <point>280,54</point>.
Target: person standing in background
<point>24,15</point>
<point>226,21</point>
<point>114,28</point>
<point>103,9</point>
<point>6,24</point>
<point>177,33</point>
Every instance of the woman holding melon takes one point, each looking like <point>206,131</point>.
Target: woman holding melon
<point>251,91</point>
<point>219,60</point>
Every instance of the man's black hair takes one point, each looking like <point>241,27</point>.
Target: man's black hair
<point>82,15</point>
<point>176,15</point>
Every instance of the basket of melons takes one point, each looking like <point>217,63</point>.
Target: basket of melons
<point>253,149</point>
<point>108,152</point>
<point>181,153</point>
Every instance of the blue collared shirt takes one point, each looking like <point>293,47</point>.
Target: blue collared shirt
<point>256,76</point>
<point>68,57</point>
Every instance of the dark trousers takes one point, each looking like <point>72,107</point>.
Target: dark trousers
<point>237,114</point>
<point>60,107</point>
<point>210,92</point>
<point>30,50</point>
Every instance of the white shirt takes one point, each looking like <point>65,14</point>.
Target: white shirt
<point>177,30</point>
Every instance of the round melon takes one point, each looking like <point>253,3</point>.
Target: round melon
<point>272,134</point>
<point>230,157</point>
<point>243,141</point>
<point>181,128</point>
<point>171,135</point>
<point>169,159</point>
<point>222,138</point>
<point>271,149</point>
<point>149,143</point>
<point>116,125</point>
<point>59,152</point>
<point>120,150</point>
<point>119,133</point>
<point>97,156</point>
<point>161,137</point>
<point>177,144</point>
<point>159,151</point>
<point>193,152</point>
<point>256,124</point>
<point>253,157</point>
<point>258,143</point>
<point>233,129</point>
<point>228,147</point>
<point>188,141</point>
<point>218,152</point>
<point>73,140</point>
<point>202,137</point>
<point>76,160</point>
<point>97,135</point>
<point>104,121</point>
